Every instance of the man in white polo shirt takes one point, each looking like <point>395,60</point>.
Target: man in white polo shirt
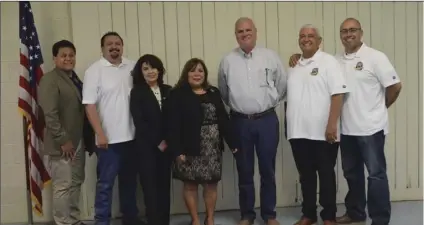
<point>374,87</point>
<point>107,85</point>
<point>315,91</point>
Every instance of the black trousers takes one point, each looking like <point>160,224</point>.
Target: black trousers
<point>155,176</point>
<point>312,157</point>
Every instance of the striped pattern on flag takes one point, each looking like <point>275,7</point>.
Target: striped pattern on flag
<point>32,62</point>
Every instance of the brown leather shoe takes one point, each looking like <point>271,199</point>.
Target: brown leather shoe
<point>245,222</point>
<point>272,222</point>
<point>329,222</point>
<point>305,221</point>
<point>345,219</point>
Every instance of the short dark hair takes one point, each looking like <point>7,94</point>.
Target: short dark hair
<point>189,65</point>
<point>62,44</point>
<point>110,33</point>
<point>151,60</point>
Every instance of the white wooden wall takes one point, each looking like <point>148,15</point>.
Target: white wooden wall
<point>178,31</point>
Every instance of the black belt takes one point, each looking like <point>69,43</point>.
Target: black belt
<point>252,116</point>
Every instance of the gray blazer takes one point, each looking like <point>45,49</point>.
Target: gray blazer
<point>63,111</point>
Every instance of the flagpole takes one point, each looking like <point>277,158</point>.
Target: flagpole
<point>27,172</point>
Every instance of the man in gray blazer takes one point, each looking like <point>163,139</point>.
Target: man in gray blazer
<point>59,96</point>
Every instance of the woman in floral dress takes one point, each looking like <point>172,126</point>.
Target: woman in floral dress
<point>198,123</point>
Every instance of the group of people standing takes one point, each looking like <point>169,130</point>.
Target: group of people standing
<point>138,126</point>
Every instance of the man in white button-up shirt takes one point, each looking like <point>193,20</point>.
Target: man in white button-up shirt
<point>315,91</point>
<point>252,82</point>
<point>106,92</point>
<point>374,87</point>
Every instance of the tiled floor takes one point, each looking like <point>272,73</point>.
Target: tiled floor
<point>403,213</point>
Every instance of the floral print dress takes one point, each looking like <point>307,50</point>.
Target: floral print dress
<point>206,168</point>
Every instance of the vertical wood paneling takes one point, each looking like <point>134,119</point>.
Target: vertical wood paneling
<point>132,42</point>
<point>421,94</point>
<point>318,20</point>
<point>223,43</point>
<point>388,44</point>
<point>118,18</point>
<point>411,94</point>
<point>364,16</point>
<point>259,19</point>
<point>246,9</point>
<point>288,33</point>
<point>86,29</point>
<point>119,24</point>
<point>171,43</point>
<point>196,29</point>
<point>401,103</point>
<point>209,42</point>
<point>177,31</point>
<point>158,31</point>
<point>172,68</point>
<point>352,9</point>
<point>104,19</point>
<point>145,28</point>
<point>183,18</point>
<point>339,15</point>
<point>329,38</point>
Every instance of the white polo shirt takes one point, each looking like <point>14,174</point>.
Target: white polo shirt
<point>368,73</point>
<point>109,87</point>
<point>311,83</point>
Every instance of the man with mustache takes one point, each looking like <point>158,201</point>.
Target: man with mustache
<point>252,81</point>
<point>315,91</point>
<point>107,85</point>
<point>374,86</point>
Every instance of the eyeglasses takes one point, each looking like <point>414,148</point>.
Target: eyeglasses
<point>350,30</point>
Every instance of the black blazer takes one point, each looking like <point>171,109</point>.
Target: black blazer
<point>185,121</point>
<point>149,119</point>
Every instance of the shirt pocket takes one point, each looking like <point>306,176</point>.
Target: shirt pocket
<point>266,76</point>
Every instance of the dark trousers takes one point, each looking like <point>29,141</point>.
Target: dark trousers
<point>369,150</point>
<point>261,134</point>
<point>155,177</point>
<point>312,157</point>
<point>117,160</point>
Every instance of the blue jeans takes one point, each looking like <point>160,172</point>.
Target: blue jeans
<point>262,135</point>
<point>117,160</point>
<point>369,150</point>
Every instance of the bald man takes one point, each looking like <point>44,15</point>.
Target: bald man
<point>252,81</point>
<point>374,86</point>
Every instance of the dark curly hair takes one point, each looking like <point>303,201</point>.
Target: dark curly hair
<point>189,66</point>
<point>151,60</point>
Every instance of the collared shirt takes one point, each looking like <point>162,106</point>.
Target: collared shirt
<point>156,92</point>
<point>252,83</point>
<point>109,87</point>
<point>311,83</point>
<point>368,73</point>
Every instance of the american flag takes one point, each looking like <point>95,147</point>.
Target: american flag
<point>32,63</point>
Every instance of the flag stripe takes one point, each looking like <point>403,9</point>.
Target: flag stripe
<point>32,62</point>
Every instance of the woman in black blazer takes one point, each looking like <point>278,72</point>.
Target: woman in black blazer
<point>148,103</point>
<point>198,123</point>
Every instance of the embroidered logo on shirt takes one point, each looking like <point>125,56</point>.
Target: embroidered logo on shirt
<point>314,71</point>
<point>359,66</point>
<point>344,86</point>
<point>394,77</point>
